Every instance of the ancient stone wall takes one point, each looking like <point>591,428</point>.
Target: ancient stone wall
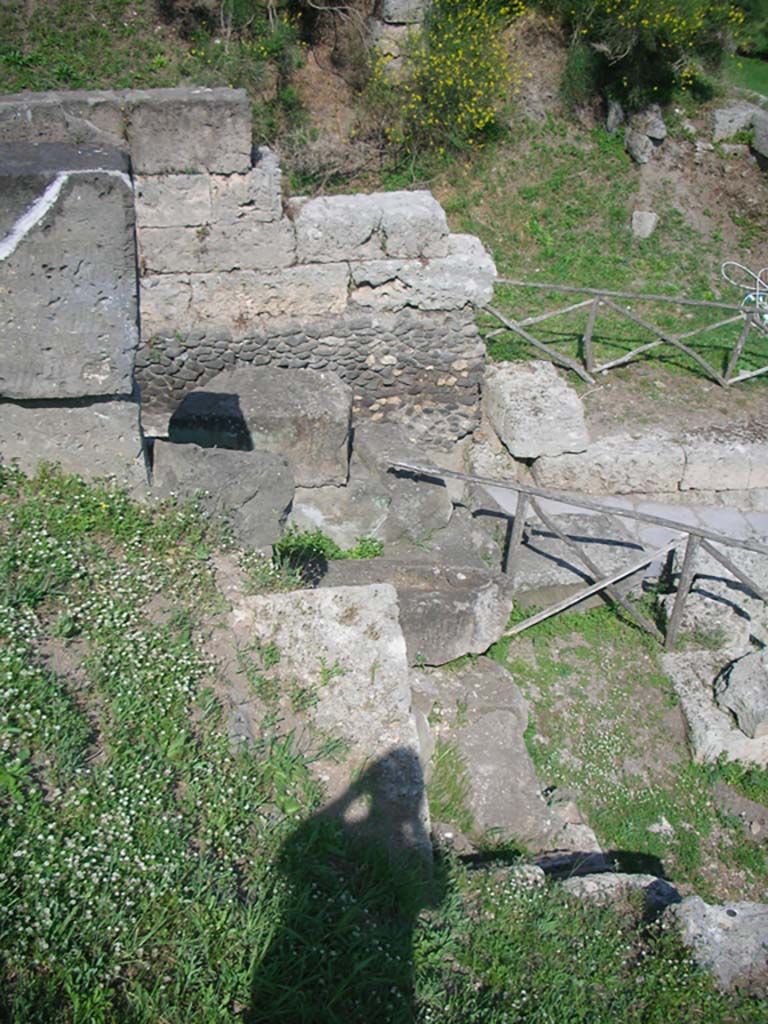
<point>373,287</point>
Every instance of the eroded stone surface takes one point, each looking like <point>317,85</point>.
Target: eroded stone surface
<point>533,410</point>
<point>346,644</point>
<point>252,490</point>
<point>98,438</point>
<point>444,612</point>
<point>743,691</point>
<point>303,415</point>
<point>68,314</point>
<point>730,941</point>
<point>617,464</point>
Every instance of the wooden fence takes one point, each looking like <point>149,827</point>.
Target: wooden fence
<point>600,299</point>
<point>694,538</point>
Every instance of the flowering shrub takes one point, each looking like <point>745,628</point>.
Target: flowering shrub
<point>456,79</point>
<point>641,49</point>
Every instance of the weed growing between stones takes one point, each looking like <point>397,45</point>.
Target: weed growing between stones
<point>149,872</point>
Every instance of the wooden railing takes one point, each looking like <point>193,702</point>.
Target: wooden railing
<point>602,299</point>
<point>529,498</point>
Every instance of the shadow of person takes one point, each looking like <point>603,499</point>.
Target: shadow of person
<point>353,880</point>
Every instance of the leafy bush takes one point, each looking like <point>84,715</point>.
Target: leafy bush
<point>456,79</point>
<point>754,37</point>
<point>643,49</point>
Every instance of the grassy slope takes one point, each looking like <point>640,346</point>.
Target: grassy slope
<point>151,873</point>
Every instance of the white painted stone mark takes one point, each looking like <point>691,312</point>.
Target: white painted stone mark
<point>35,213</point>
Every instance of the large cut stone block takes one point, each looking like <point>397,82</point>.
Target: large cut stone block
<point>210,248</point>
<point>301,414</point>
<point>620,464</point>
<point>234,301</point>
<point>462,278</point>
<point>479,707</point>
<point>256,195</point>
<point>173,200</point>
<point>68,283</point>
<point>406,225</point>
<point>189,129</point>
<point>85,118</point>
<point>253,490</point>
<point>91,438</point>
<point>533,410</point>
<point>445,613</point>
<point>725,460</point>
<point>744,692</point>
<point>345,648</point>
<point>165,304</point>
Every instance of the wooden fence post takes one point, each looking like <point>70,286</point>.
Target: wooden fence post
<point>683,587</point>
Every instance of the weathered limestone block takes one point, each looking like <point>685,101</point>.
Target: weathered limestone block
<point>88,118</point>
<point>727,121</point>
<point>216,248</point>
<point>254,196</point>
<point>402,12</point>
<point>720,460</point>
<point>480,708</point>
<point>353,635</point>
<point>620,464</point>
<point>68,314</point>
<point>406,225</point>
<point>188,129</point>
<point>303,415</point>
<point>730,941</point>
<point>712,732</point>
<point>165,304</point>
<point>462,278</point>
<point>97,438</point>
<point>236,300</point>
<point>252,489</point>
<point>744,692</point>
<point>444,612</point>
<point>173,200</point>
<point>613,887</point>
<point>533,410</point>
<point>760,140</point>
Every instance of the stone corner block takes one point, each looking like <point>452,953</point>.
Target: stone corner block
<point>533,410</point>
<point>188,129</point>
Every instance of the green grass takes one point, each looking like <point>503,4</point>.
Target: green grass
<point>124,44</point>
<point>553,206</point>
<point>150,872</point>
<point>747,72</point>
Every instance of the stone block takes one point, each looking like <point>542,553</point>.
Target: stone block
<point>462,278</point>
<point>725,460</point>
<point>353,633</point>
<point>743,691</point>
<point>618,464</point>
<point>444,612</point>
<point>760,140</point>
<point>254,196</point>
<point>236,300</point>
<point>727,121</point>
<point>644,223</point>
<point>84,118</point>
<point>91,438</point>
<point>402,12</point>
<point>533,410</point>
<point>253,490</point>
<point>303,415</point>
<point>68,282</point>
<point>730,941</point>
<point>369,227</point>
<point>172,200</point>
<point>188,129</point>
<point>214,247</point>
<point>479,707</point>
<point>165,304</point>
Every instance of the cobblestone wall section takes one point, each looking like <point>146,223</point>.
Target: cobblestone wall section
<point>373,287</point>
